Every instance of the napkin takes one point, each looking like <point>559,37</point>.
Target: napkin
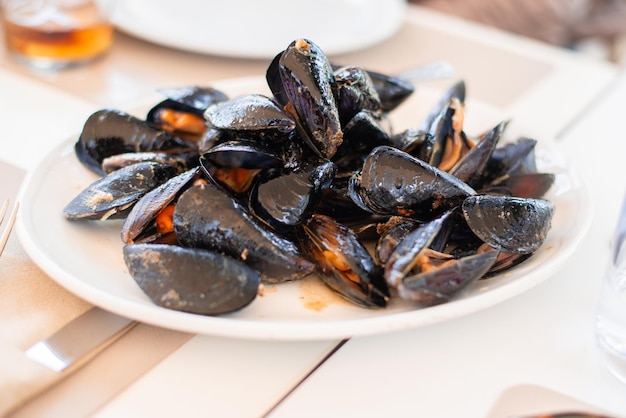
<point>32,307</point>
<point>532,400</point>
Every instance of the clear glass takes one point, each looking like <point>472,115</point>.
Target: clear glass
<point>610,324</point>
<point>52,34</point>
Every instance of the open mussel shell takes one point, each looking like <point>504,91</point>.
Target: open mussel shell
<point>434,145</point>
<point>235,164</point>
<point>206,217</point>
<point>309,84</point>
<point>390,234</point>
<point>346,265</point>
<point>508,223</point>
<point>404,256</point>
<point>144,212</point>
<point>511,158</point>
<point>112,195</point>
<point>182,112</point>
<point>455,92</point>
<point>111,132</point>
<point>190,279</point>
<point>472,164</point>
<point>393,182</point>
<point>241,153</point>
<point>178,120</point>
<point>444,283</point>
<point>287,199</point>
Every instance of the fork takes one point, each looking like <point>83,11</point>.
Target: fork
<point>8,226</point>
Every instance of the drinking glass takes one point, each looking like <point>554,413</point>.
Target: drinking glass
<point>53,34</point>
<point>610,324</point>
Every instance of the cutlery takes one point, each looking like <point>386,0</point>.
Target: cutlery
<point>80,340</point>
<point>8,226</point>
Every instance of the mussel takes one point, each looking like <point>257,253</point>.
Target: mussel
<point>113,195</point>
<point>309,84</point>
<point>206,217</point>
<point>191,280</point>
<point>110,132</point>
<point>345,264</point>
<point>393,182</point>
<point>509,223</point>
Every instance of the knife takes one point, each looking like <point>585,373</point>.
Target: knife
<point>80,340</point>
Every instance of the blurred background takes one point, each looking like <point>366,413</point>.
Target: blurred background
<point>594,27</point>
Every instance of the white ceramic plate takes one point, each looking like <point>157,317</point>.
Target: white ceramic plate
<point>259,29</point>
<point>86,258</point>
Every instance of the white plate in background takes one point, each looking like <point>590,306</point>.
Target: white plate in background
<point>259,28</point>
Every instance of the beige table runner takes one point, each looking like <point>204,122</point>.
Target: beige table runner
<point>32,307</point>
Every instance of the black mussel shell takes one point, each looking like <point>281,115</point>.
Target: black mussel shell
<point>506,261</point>
<point>289,198</point>
<point>533,185</point>
<point>444,283</point>
<point>152,203</point>
<point>309,84</point>
<point>457,91</point>
<point>511,224</point>
<point>195,97</point>
<point>433,148</point>
<point>410,140</point>
<point>360,136</point>
<point>392,91</point>
<point>235,164</point>
<point>402,259</point>
<point>393,182</point>
<point>355,92</point>
<point>391,233</point>
<point>337,204</point>
<point>212,137</point>
<point>275,82</point>
<point>178,119</point>
<point>114,194</point>
<point>242,153</point>
<point>190,279</point>
<point>251,112</point>
<point>509,158</point>
<point>206,217</point>
<point>346,265</point>
<point>472,164</point>
<point>111,132</point>
<point>183,159</point>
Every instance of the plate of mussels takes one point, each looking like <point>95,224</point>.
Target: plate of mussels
<point>313,202</point>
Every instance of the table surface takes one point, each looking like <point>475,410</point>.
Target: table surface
<point>535,350</point>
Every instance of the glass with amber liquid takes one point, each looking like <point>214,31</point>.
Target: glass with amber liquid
<point>54,34</point>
